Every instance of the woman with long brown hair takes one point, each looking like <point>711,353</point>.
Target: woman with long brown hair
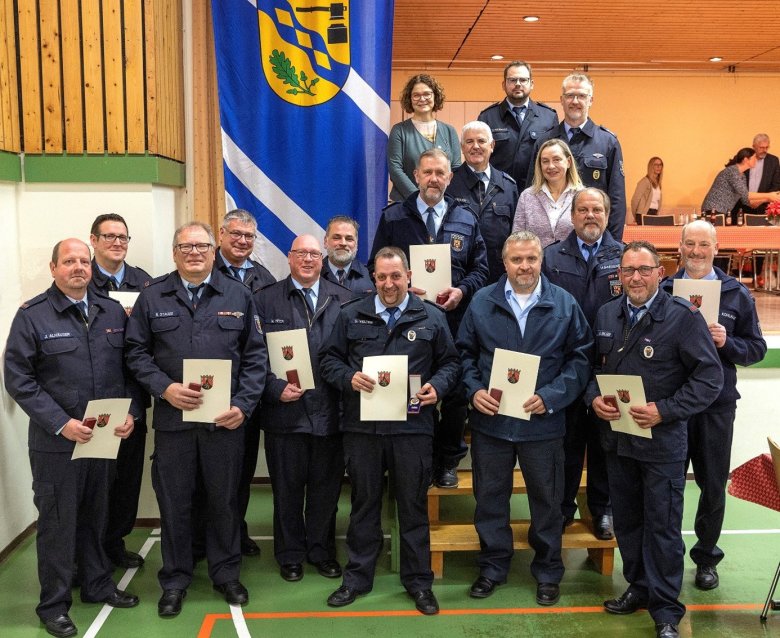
<point>647,195</point>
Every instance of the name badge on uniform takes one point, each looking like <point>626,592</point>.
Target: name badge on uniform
<point>456,242</point>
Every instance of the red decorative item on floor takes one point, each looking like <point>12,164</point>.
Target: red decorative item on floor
<point>755,481</point>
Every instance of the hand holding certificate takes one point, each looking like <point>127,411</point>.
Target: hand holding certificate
<point>513,381</point>
<point>102,415</point>
<point>624,391</point>
<point>214,377</point>
<point>288,354</point>
<point>388,399</point>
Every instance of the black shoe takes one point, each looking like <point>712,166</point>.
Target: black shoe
<point>170,602</point>
<point>126,559</point>
<point>602,528</point>
<point>249,547</point>
<point>425,602</point>
<point>291,571</point>
<point>328,568</point>
<point>628,603</point>
<point>547,594</point>
<point>344,596</point>
<point>61,626</point>
<point>234,592</point>
<point>666,630</point>
<point>117,598</point>
<point>483,587</point>
<point>707,577</point>
<point>446,478</point>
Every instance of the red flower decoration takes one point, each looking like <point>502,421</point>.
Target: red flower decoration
<point>773,209</point>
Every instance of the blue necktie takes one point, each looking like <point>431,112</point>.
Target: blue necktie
<point>635,313</point>
<point>340,275</point>
<point>81,306</point>
<point>573,131</point>
<point>195,290</point>
<point>519,112</point>
<point>482,189</point>
<point>236,272</point>
<point>113,284</point>
<point>308,299</point>
<point>393,317</point>
<point>591,250</point>
<point>430,224</point>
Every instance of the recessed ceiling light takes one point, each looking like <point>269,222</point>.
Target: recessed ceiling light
<point>496,57</point>
<point>531,18</point>
<point>716,59</point>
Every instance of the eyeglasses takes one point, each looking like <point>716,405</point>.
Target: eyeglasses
<point>236,236</point>
<point>186,249</point>
<point>571,97</point>
<point>645,271</point>
<point>111,238</point>
<point>422,97</point>
<point>518,80</point>
<point>314,255</point>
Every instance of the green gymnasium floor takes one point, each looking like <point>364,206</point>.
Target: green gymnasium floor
<point>279,609</point>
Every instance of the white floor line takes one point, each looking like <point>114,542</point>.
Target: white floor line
<point>270,538</point>
<point>239,622</point>
<point>727,532</point>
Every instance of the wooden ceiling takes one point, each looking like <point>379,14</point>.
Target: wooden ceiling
<point>620,35</point>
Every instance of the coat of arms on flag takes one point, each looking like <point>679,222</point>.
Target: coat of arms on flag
<point>513,375</point>
<point>430,265</point>
<point>384,378</point>
<point>287,352</point>
<point>207,381</point>
<point>102,420</point>
<point>624,395</point>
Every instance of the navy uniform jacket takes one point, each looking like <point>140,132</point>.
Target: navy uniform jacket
<point>672,350</point>
<point>163,330</point>
<point>255,278</point>
<point>514,150</point>
<point>421,333</point>
<point>744,345</point>
<point>281,307</point>
<point>358,279</point>
<point>600,163</point>
<point>401,225</point>
<point>495,213</point>
<point>564,265</point>
<point>55,364</point>
<point>556,330</point>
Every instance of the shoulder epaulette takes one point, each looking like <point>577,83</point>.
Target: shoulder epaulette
<point>509,178</point>
<point>495,104</point>
<point>604,128</point>
<point>545,106</point>
<point>32,302</point>
<point>155,280</point>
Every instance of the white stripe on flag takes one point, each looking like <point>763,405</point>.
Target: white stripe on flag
<point>367,100</point>
<point>267,192</point>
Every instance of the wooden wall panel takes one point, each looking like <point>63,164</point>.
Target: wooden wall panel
<point>134,76</point>
<point>30,80</point>
<point>10,134</point>
<point>114,81</point>
<point>93,76</point>
<point>73,102</point>
<point>51,76</point>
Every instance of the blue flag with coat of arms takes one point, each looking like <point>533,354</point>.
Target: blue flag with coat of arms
<point>304,91</point>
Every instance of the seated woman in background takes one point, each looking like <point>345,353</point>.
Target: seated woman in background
<point>545,207</point>
<point>730,186</point>
<point>647,196</point>
<point>422,97</point>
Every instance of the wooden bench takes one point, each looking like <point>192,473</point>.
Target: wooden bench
<point>454,536</point>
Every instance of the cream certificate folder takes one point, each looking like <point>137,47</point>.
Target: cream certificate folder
<point>514,373</point>
<point>104,444</point>
<point>389,399</point>
<point>628,391</point>
<point>431,268</point>
<point>214,377</point>
<point>702,293</point>
<point>289,350</point>
<point>127,299</point>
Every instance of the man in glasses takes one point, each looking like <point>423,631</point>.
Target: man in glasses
<point>302,439</point>
<point>110,272</point>
<point>517,122</point>
<point>595,148</point>
<point>234,259</point>
<point>664,339</point>
<point>195,312</point>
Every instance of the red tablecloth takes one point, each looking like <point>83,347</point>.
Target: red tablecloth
<point>755,481</point>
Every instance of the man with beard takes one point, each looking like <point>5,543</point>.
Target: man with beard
<point>586,265</point>
<point>738,340</point>
<point>663,339</point>
<point>762,178</point>
<point>341,264</point>
<point>430,217</point>
<point>490,193</point>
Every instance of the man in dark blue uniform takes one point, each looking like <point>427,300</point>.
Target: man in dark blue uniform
<point>196,312</point>
<point>490,193</point>
<point>522,312</point>
<point>648,333</point>
<point>738,340</point>
<point>302,439</point>
<point>234,259</point>
<point>341,265</point>
<point>586,265</point>
<point>393,322</point>
<point>65,349</point>
<point>429,217</point>
<point>110,272</point>
<point>595,149</point>
<point>517,122</point>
